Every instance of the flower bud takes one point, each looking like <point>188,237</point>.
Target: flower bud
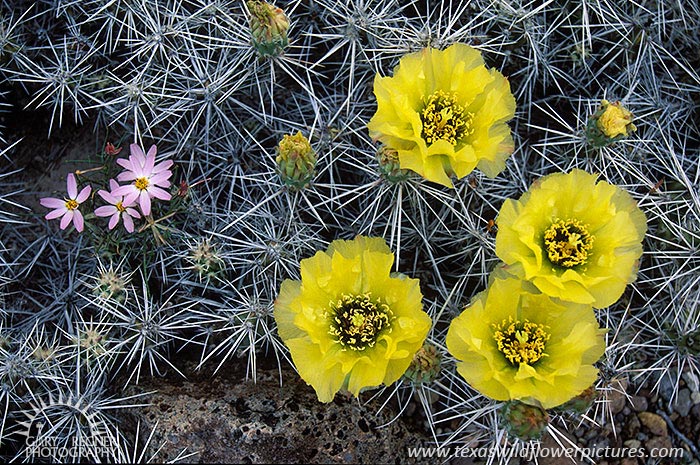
<point>425,365</point>
<point>611,122</point>
<point>389,166</point>
<point>524,421</point>
<point>296,161</point>
<point>268,25</point>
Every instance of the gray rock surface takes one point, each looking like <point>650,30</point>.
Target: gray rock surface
<point>229,419</point>
<point>683,402</point>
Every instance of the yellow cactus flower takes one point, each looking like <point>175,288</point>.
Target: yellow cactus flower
<point>574,238</point>
<point>445,114</point>
<point>350,323</point>
<point>514,343</point>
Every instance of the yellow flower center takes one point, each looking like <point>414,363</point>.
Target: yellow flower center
<point>141,183</point>
<point>120,207</point>
<point>521,342</point>
<point>568,243</point>
<point>71,204</point>
<point>444,119</point>
<point>357,320</point>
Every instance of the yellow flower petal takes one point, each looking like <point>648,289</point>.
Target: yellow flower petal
<point>329,319</point>
<point>469,124</point>
<point>597,275</point>
<point>573,343</point>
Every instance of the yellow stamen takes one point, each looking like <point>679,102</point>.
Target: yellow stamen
<point>141,183</point>
<point>568,243</point>
<point>71,204</point>
<point>444,119</point>
<point>521,342</point>
<point>356,321</point>
<point>120,207</point>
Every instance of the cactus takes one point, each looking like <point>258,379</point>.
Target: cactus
<point>268,25</point>
<point>524,421</point>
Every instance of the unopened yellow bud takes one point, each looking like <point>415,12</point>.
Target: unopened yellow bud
<point>616,120</point>
<point>269,26</point>
<point>296,161</point>
<point>609,123</point>
<point>389,165</point>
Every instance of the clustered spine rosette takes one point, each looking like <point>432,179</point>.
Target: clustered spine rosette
<point>574,237</point>
<point>349,323</point>
<point>445,114</point>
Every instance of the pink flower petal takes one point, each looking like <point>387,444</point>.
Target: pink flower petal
<point>52,202</point>
<point>145,203</point>
<point>78,221</point>
<point>128,223</point>
<point>152,152</point>
<point>126,176</point>
<point>161,179</point>
<point>125,190</point>
<point>132,212</point>
<point>114,220</point>
<point>137,155</point>
<point>67,218</point>
<point>106,210</point>
<point>132,202</point>
<point>72,186</point>
<point>109,198</point>
<point>113,184</point>
<point>162,166</point>
<point>84,194</point>
<point>158,193</point>
<point>150,160</point>
<point>52,215</point>
<point>131,197</point>
<point>124,163</point>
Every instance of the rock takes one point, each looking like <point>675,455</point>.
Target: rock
<point>683,403</point>
<point>695,397</point>
<point>667,386</point>
<point>601,444</point>
<point>656,425</point>
<point>659,443</point>
<point>633,444</point>
<point>639,403</point>
<point>616,397</point>
<point>226,419</point>
<point>632,426</point>
<point>692,381</point>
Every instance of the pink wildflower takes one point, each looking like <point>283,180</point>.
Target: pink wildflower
<point>149,180</point>
<point>118,208</point>
<point>67,209</point>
